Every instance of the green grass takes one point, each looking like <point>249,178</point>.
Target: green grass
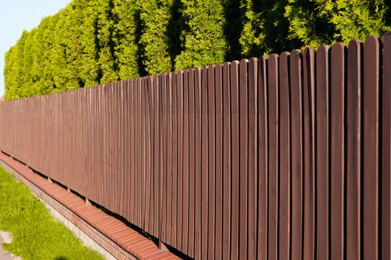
<point>36,234</point>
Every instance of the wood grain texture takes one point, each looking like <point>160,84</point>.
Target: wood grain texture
<point>322,153</point>
<point>285,159</point>
<point>219,162</point>
<point>309,152</point>
<point>337,140</point>
<point>235,160</point>
<point>386,151</point>
<point>263,199</point>
<point>212,161</point>
<point>273,131</point>
<point>371,148</point>
<point>353,171</point>
<point>243,157</point>
<point>227,166</point>
<point>297,154</point>
<point>252,158</point>
<point>186,162</point>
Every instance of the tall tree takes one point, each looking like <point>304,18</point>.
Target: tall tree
<point>19,68</point>
<point>10,74</point>
<point>265,29</point>
<point>160,22</point>
<point>358,19</point>
<point>125,38</point>
<point>203,36</point>
<point>92,42</point>
<point>106,47</point>
<point>25,89</point>
<point>316,22</point>
<point>58,53</point>
<point>38,51</point>
<point>90,71</point>
<point>71,40</point>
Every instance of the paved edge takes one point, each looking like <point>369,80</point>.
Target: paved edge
<point>6,237</point>
<point>109,233</point>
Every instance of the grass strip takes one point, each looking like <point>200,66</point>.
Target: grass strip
<point>37,235</point>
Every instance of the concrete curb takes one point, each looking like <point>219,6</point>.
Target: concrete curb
<point>6,237</point>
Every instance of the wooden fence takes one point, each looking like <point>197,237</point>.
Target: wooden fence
<point>281,157</point>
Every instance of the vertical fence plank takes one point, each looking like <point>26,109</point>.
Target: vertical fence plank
<point>252,157</point>
<point>165,151</point>
<point>219,161</point>
<point>386,152</point>
<point>212,161</point>
<point>113,143</point>
<point>192,154</point>
<point>89,142</point>
<point>235,160</point>
<point>143,152</point>
<point>136,149</point>
<point>161,170</point>
<point>309,145</point>
<point>186,159</point>
<point>285,162</point>
<point>170,156</point>
<point>353,149</point>
<point>148,161</point>
<point>143,174</point>
<point>109,136</point>
<point>179,181</point>
<point>121,143</point>
<point>132,118</point>
<point>175,160</point>
<point>296,151</point>
<point>198,165</point>
<point>138,159</point>
<point>149,182</point>
<point>227,166</point>
<point>71,144</point>
<point>157,158</point>
<point>137,152</point>
<point>152,158</point>
<point>243,157</point>
<point>262,161</point>
<point>163,155</point>
<point>337,106</point>
<point>101,182</point>
<point>204,162</point>
<point>371,148</point>
<point>273,95</point>
<point>322,153</point>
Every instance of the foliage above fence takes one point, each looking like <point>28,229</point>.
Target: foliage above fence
<point>286,156</point>
<point>92,42</point>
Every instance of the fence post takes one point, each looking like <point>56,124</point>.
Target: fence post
<point>386,153</point>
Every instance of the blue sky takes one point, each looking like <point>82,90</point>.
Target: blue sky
<point>19,15</point>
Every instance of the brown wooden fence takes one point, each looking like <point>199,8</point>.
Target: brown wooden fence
<point>279,157</point>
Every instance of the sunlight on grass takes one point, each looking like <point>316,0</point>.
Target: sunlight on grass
<point>36,234</point>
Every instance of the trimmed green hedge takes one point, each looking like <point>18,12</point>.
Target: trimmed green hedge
<point>92,42</point>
